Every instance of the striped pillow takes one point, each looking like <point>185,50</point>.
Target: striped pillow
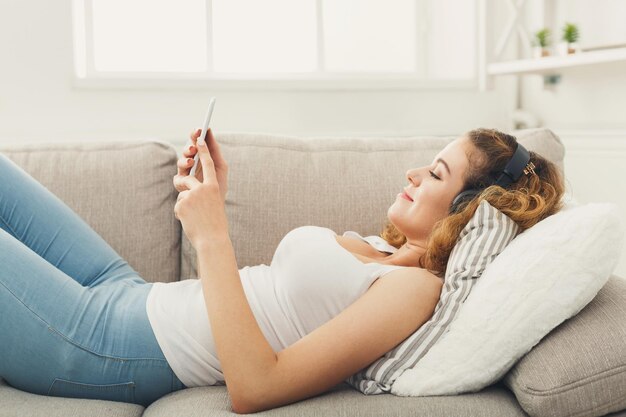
<point>487,233</point>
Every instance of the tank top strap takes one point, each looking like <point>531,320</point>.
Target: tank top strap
<point>378,270</point>
<point>377,242</point>
<point>375,271</point>
<point>382,269</point>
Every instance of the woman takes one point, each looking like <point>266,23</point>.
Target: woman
<point>77,321</point>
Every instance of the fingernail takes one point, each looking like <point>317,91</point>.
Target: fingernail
<point>190,148</point>
<point>189,160</point>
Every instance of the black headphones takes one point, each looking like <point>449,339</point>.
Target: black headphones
<point>513,170</point>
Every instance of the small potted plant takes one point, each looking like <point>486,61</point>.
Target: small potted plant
<point>541,42</point>
<point>569,44</point>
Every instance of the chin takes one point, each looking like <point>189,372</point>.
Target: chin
<point>392,218</point>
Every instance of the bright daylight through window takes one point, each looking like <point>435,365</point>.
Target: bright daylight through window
<point>283,39</point>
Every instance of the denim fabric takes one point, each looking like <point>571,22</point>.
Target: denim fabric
<point>73,319</point>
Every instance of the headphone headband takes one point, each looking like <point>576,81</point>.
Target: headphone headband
<point>515,167</point>
<point>518,164</point>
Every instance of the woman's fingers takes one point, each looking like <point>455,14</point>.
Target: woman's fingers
<point>181,182</point>
<point>184,182</point>
<point>184,165</point>
<point>195,135</point>
<point>190,151</point>
<point>214,148</point>
<point>176,180</point>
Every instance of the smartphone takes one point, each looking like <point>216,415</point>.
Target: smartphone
<point>205,128</point>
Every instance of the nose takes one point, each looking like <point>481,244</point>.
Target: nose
<point>411,174</point>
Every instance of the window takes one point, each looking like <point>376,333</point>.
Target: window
<point>301,43</point>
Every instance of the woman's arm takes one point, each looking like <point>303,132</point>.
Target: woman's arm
<point>244,353</point>
<point>245,356</point>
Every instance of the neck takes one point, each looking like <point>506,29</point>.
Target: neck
<point>408,255</point>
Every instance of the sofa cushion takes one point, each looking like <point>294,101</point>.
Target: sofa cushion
<point>122,189</point>
<point>277,183</point>
<point>14,402</point>
<point>343,401</point>
<point>579,369</point>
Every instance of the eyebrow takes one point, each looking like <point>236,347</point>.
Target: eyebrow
<point>445,164</point>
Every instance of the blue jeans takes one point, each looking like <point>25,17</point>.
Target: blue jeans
<point>73,319</point>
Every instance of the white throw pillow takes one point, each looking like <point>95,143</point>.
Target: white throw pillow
<point>545,275</point>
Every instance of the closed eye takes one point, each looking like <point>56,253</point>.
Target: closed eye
<point>432,174</point>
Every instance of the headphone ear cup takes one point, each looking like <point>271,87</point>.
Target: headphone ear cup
<point>461,199</point>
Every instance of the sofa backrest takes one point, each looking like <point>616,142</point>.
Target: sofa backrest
<point>122,189</point>
<point>277,183</point>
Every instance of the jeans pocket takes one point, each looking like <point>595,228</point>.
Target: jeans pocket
<point>124,392</point>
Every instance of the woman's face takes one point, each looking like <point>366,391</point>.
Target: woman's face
<point>431,196</point>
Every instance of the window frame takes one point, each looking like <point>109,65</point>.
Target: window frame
<point>318,80</point>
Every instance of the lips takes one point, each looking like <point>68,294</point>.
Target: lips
<point>405,195</point>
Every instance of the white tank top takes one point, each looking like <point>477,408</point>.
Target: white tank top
<point>310,280</point>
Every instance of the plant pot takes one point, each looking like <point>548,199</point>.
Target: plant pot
<point>539,52</point>
<point>566,48</point>
<point>573,48</point>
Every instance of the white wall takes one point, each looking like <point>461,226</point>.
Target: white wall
<point>592,97</point>
<point>37,100</point>
<point>586,109</point>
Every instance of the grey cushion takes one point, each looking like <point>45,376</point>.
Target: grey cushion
<point>16,403</point>
<point>343,401</point>
<point>123,190</point>
<point>578,369</point>
<point>545,142</point>
<point>482,239</point>
<point>277,183</point>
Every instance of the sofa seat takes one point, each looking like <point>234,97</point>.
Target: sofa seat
<point>493,401</point>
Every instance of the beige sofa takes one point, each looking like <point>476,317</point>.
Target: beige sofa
<point>124,190</point>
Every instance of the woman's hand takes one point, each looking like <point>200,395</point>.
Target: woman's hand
<point>184,164</point>
<point>200,205</point>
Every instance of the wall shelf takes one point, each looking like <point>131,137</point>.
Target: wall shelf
<point>490,53</point>
<point>552,64</point>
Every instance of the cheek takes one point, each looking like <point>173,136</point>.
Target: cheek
<point>428,196</point>
<point>434,199</point>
